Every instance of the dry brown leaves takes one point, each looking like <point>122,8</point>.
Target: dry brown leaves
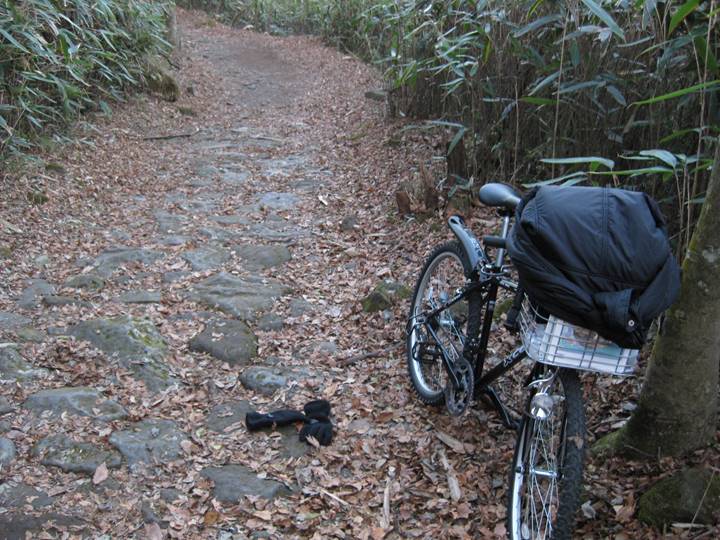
<point>396,469</point>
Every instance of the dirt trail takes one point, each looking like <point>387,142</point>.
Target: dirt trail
<point>201,259</point>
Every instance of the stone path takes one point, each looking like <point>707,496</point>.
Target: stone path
<point>181,306</point>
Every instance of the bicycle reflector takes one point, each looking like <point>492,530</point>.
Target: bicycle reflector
<point>541,406</point>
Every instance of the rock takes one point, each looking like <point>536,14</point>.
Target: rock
<point>270,322</point>
<point>70,456</point>
<point>196,206</point>
<point>13,495</point>
<point>170,494</point>
<point>359,425</point>
<point>54,300</point>
<point>349,223</point>
<point>5,406</point>
<point>148,512</point>
<point>149,441</point>
<point>282,167</point>
<point>206,170</point>
<point>236,219</point>
<point>278,200</point>
<point>90,282</point>
<point>170,223</point>
<point>31,335</point>
<point>112,259</point>
<point>233,482</point>
<point>10,321</point>
<point>261,257</point>
<point>141,297</point>
<point>41,261</point>
<point>299,306</point>
<point>328,348</point>
<point>13,367</point>
<point>174,240</point>
<point>5,252</point>
<point>226,414</point>
<point>19,526</point>
<point>206,258</point>
<point>7,452</point>
<point>125,279</point>
<point>171,277</point>
<point>241,298</point>
<point>268,379</point>
<point>227,340</point>
<point>275,231</point>
<point>234,178</point>
<point>679,497</point>
<point>82,401</point>
<point>384,296</point>
<point>159,80</point>
<point>136,344</point>
<point>34,293</point>
<point>376,95</point>
<point>220,235</point>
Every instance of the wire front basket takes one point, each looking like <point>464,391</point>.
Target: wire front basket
<point>552,341</point>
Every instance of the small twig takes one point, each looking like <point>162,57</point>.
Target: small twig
<point>334,497</point>
<point>712,477</point>
<point>174,136</point>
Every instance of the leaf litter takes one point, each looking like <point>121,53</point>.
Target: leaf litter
<point>396,468</point>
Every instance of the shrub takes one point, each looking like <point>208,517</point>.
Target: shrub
<point>61,58</point>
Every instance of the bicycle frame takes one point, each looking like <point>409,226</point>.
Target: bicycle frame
<point>488,276</point>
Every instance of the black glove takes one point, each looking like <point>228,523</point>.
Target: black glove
<point>321,430</point>
<point>255,421</point>
<point>317,408</point>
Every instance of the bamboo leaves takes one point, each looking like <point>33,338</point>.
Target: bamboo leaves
<point>605,17</point>
<point>60,58</point>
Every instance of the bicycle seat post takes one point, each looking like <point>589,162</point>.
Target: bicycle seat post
<point>501,252</point>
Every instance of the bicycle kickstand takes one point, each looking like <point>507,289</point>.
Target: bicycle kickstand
<point>505,416</point>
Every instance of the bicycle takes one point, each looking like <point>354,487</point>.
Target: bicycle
<point>448,330</point>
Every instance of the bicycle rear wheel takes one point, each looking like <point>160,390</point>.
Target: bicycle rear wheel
<point>546,474</point>
<point>443,276</point>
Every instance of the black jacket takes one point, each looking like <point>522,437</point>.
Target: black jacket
<point>595,257</point>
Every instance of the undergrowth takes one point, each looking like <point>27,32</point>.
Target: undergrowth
<point>59,59</point>
<point>588,91</point>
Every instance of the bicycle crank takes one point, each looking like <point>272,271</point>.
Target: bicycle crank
<point>458,396</point>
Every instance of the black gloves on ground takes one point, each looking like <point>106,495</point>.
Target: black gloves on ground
<point>255,421</point>
<point>316,420</point>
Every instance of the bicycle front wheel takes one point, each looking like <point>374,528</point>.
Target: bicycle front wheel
<point>546,474</point>
<point>443,276</point>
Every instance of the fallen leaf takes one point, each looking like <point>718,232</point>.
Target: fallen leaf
<point>101,474</point>
<point>153,531</point>
<point>451,441</point>
<point>211,518</point>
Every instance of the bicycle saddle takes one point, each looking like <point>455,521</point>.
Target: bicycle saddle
<point>502,195</point>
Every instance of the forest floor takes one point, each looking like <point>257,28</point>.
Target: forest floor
<point>199,259</point>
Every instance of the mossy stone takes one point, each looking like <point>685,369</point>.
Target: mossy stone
<point>37,197</point>
<point>691,495</point>
<point>158,80</point>
<point>501,308</point>
<point>384,296</point>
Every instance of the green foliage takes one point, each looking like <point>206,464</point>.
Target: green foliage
<point>59,59</point>
<point>530,85</point>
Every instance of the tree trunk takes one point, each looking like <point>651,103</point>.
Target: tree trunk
<point>677,409</point>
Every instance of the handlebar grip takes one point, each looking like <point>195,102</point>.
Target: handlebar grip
<point>494,241</point>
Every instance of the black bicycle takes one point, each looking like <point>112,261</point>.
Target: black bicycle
<point>448,330</point>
